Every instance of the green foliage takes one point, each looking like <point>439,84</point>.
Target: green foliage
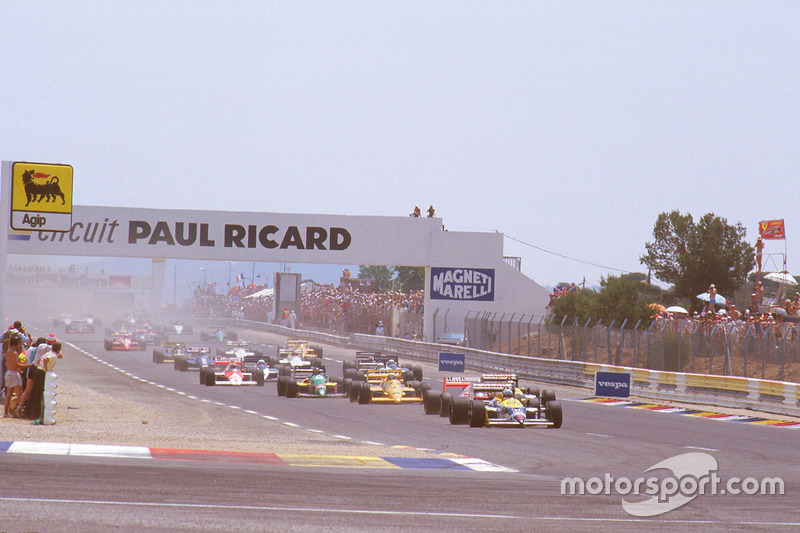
<point>410,278</point>
<point>692,255</point>
<point>618,299</point>
<point>381,276</point>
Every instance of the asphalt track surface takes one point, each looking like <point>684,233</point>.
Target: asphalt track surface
<point>69,493</point>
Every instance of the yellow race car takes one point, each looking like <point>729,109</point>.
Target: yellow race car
<point>390,388</point>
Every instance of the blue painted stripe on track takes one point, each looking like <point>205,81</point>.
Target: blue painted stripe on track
<point>138,452</point>
<point>415,462</point>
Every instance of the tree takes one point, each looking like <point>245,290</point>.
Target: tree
<point>693,256</point>
<point>618,299</point>
<point>410,278</point>
<point>381,276</point>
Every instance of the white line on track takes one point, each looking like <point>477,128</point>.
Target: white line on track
<point>701,448</point>
<point>392,512</point>
<point>600,435</point>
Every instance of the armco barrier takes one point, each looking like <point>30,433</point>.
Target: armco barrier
<point>724,391</point>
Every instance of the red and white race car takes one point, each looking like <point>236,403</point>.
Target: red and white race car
<point>228,371</point>
<point>125,342</point>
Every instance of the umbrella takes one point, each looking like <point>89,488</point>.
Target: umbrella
<point>781,277</point>
<point>719,300</point>
<point>677,309</point>
<point>778,311</point>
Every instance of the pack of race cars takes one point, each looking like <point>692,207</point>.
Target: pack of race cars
<point>488,400</point>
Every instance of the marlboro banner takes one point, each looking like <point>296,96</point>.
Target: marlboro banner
<point>771,229</point>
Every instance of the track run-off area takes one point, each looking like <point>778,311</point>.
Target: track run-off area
<point>300,463</point>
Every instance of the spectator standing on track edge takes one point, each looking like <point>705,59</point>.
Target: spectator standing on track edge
<point>12,375</point>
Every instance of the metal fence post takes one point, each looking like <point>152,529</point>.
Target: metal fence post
<point>599,321</point>
<point>434,324</point>
<point>636,341</point>
<point>529,335</point>
<point>711,348</point>
<point>539,337</point>
<point>746,342</point>
<point>492,333</point>
<point>621,342</point>
<point>561,338</point>
<point>649,336</point>
<point>585,338</point>
<point>509,332</point>
<point>519,335</point>
<point>608,340</point>
<point>694,338</point>
<point>783,353</point>
<point>680,330</point>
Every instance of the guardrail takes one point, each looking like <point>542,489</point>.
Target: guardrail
<point>776,397</point>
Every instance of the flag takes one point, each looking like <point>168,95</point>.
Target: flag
<point>771,229</point>
<point>558,292</point>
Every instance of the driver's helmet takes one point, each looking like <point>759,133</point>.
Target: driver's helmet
<point>508,393</point>
<point>392,364</point>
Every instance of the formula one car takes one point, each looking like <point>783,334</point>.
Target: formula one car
<point>169,352</point>
<point>225,371</point>
<point>84,325</point>
<point>239,349</point>
<point>390,389</point>
<point>192,357</point>
<point>436,402</point>
<point>296,348</point>
<point>173,329</point>
<point>124,341</point>
<point>217,333</point>
<point>515,410</point>
<point>375,363</point>
<point>493,403</point>
<point>308,382</point>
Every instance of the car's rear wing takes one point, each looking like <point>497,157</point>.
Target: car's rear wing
<point>199,350</point>
<point>461,382</point>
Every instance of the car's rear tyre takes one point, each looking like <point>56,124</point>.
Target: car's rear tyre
<point>554,414</point>
<point>282,386</point>
<point>291,388</point>
<point>477,414</point>
<point>445,403</point>
<point>259,377</point>
<point>202,375</point>
<point>459,412</point>
<point>548,396</point>
<point>158,357</point>
<point>355,390</point>
<point>364,394</point>
<point>418,372</point>
<point>430,400</point>
<point>183,366</point>
<point>211,378</point>
<point>408,375</point>
<point>534,403</point>
<point>108,345</point>
<point>175,364</point>
<point>347,384</point>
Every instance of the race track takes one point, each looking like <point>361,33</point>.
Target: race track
<point>524,493</point>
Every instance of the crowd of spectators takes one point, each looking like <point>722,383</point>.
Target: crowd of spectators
<point>346,309</point>
<point>343,309</point>
<point>236,303</point>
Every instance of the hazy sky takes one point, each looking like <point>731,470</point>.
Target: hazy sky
<point>567,125</point>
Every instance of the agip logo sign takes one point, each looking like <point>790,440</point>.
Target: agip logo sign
<point>41,197</point>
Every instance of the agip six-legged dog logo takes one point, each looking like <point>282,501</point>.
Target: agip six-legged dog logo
<point>39,188</point>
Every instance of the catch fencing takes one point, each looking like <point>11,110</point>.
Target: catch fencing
<point>729,348</point>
